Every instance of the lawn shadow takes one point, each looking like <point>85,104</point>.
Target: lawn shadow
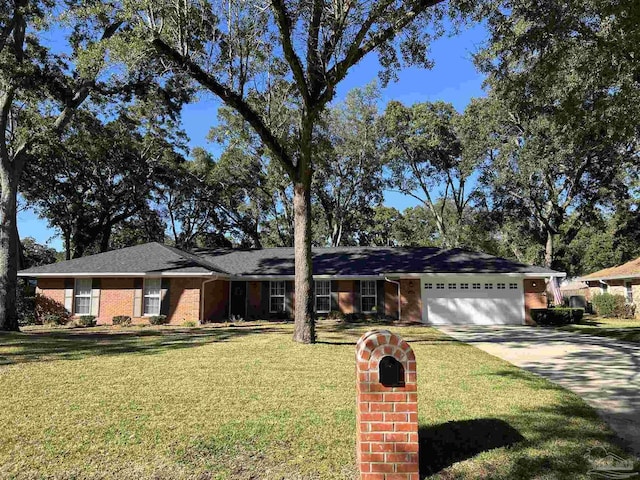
<point>75,344</point>
<point>443,445</point>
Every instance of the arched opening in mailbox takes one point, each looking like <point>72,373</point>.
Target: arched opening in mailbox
<point>391,372</point>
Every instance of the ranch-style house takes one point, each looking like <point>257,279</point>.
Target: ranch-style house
<point>421,284</point>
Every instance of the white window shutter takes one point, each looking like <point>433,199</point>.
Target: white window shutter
<point>95,297</point>
<point>68,294</point>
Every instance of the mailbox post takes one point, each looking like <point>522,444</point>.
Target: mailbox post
<point>387,408</point>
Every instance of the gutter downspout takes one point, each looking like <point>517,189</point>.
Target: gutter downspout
<point>215,277</point>
<point>387,279</point>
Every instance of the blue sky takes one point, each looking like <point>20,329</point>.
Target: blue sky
<point>453,79</point>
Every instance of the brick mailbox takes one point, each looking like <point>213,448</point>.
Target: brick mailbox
<point>387,408</point>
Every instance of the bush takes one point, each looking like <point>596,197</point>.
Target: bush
<point>557,316</point>
<point>49,311</point>
<point>608,305</point>
<point>190,323</point>
<point>335,315</point>
<point>55,319</point>
<point>122,320</point>
<point>86,321</point>
<point>158,320</point>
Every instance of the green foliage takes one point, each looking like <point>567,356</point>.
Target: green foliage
<point>190,323</point>
<point>50,310</point>
<point>86,321</point>
<point>54,319</point>
<point>158,320</point>
<point>608,305</point>
<point>122,320</point>
<point>428,149</point>
<point>557,316</point>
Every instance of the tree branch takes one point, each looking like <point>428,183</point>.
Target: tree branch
<point>232,99</point>
<point>284,25</point>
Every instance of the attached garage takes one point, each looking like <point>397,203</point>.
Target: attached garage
<point>473,300</point>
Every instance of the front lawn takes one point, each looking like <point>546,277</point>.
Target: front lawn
<point>245,402</point>
<point>620,329</point>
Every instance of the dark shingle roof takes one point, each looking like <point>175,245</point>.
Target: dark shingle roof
<point>147,258</point>
<point>156,258</point>
<point>365,261</point>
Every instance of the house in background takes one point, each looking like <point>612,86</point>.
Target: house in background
<point>621,280</point>
<point>421,284</point>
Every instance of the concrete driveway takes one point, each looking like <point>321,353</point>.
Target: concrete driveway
<point>604,372</point>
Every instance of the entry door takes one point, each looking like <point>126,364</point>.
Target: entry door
<point>472,300</point>
<point>239,299</point>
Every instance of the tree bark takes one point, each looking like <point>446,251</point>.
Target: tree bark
<point>304,328</point>
<point>8,248</point>
<point>548,251</point>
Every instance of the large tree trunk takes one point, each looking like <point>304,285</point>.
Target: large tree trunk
<point>304,330</point>
<point>8,249</point>
<point>548,251</point>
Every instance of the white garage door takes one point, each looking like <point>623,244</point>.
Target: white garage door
<point>472,300</point>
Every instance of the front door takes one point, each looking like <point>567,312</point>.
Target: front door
<point>239,299</point>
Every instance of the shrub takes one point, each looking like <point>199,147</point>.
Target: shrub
<point>122,320</point>
<point>158,320</point>
<point>190,323</point>
<point>86,321</point>
<point>55,319</point>
<point>556,316</point>
<point>608,305</point>
<point>50,311</point>
<point>335,315</point>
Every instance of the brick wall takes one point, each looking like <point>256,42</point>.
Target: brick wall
<point>52,288</point>
<point>184,300</point>
<point>410,300</point>
<point>391,299</point>
<point>216,300</point>
<point>535,296</point>
<point>116,298</point>
<point>386,417</point>
<point>346,295</point>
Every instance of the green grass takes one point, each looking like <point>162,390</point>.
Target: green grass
<point>245,402</point>
<point>620,329</point>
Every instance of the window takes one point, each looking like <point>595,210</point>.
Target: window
<point>428,286</point>
<point>488,286</point>
<point>82,300</point>
<point>152,292</point>
<point>440,286</point>
<point>276,297</point>
<point>513,286</point>
<point>368,297</point>
<point>629,290</point>
<point>476,286</point>
<point>500,286</point>
<point>323,296</point>
<point>464,286</point>
<point>452,286</point>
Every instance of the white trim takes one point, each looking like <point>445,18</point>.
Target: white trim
<point>75,295</point>
<point>617,277</point>
<point>145,295</point>
<point>470,274</point>
<point>315,296</point>
<point>375,296</point>
<point>283,296</point>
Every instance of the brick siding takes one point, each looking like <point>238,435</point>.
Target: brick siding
<point>534,297</point>
<point>387,445</point>
<point>411,300</point>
